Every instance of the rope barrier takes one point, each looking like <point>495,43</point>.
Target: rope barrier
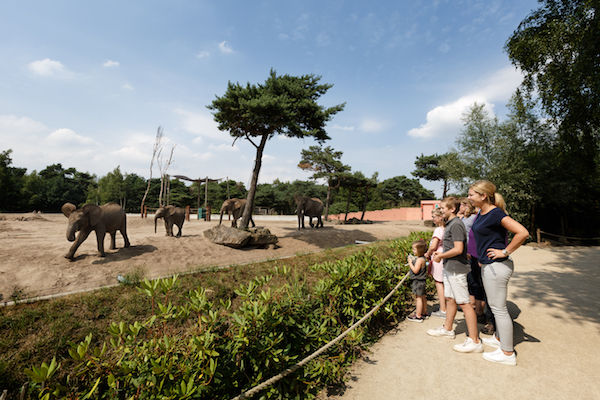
<point>270,381</point>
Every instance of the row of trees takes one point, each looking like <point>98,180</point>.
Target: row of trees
<point>49,189</point>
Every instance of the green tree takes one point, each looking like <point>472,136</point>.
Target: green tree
<point>429,168</point>
<point>53,186</point>
<point>326,164</point>
<point>12,182</point>
<point>285,105</point>
<point>403,191</point>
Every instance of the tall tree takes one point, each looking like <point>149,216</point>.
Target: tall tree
<point>428,168</point>
<point>285,105</point>
<point>326,164</point>
<point>403,191</point>
<point>11,184</point>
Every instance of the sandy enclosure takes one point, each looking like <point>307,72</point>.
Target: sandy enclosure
<point>32,259</point>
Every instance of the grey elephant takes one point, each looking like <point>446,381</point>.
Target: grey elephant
<point>101,219</point>
<point>172,216</point>
<point>310,207</point>
<point>236,207</point>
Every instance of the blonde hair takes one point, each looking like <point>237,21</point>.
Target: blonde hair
<point>436,212</point>
<point>487,188</point>
<point>470,209</point>
<point>452,203</point>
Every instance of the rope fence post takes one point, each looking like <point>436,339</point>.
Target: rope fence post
<point>539,235</point>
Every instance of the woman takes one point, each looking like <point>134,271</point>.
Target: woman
<point>490,231</point>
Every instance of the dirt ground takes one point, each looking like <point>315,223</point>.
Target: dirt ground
<point>33,246</point>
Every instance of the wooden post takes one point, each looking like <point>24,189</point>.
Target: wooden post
<point>187,213</point>
<point>538,234</point>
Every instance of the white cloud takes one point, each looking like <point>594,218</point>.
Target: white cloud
<point>65,136</point>
<point>201,124</point>
<point>127,86</point>
<point>13,126</point>
<point>110,64</point>
<point>225,48</point>
<point>445,120</point>
<point>46,67</point>
<point>203,54</point>
<point>371,125</point>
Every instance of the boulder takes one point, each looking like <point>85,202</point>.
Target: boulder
<point>227,236</point>
<point>262,237</point>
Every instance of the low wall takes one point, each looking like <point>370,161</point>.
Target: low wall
<point>391,214</point>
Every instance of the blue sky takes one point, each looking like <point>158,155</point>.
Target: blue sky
<point>86,84</point>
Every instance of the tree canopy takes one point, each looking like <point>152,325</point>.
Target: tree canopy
<point>284,104</point>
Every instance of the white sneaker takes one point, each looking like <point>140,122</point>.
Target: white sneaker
<point>492,341</point>
<point>438,313</point>
<point>441,331</point>
<point>469,346</point>
<point>499,357</point>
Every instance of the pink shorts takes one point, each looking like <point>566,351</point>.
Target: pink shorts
<point>437,270</point>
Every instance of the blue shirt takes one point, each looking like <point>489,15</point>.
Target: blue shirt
<point>489,234</point>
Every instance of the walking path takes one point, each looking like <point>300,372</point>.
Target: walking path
<point>555,305</point>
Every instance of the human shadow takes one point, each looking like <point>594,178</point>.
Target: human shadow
<point>328,236</point>
<point>126,253</point>
<point>569,285</point>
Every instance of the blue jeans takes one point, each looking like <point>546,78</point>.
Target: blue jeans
<point>495,280</point>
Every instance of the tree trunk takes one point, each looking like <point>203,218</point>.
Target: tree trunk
<point>252,191</point>
<point>348,204</point>
<point>327,201</point>
<point>365,200</point>
<point>445,189</point>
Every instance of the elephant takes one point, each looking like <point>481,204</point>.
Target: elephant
<point>101,219</point>
<point>311,207</point>
<point>172,215</point>
<point>236,208</point>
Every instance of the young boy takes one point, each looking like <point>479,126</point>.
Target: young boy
<point>418,275</point>
<point>456,289</point>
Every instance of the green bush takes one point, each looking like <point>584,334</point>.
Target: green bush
<point>199,349</point>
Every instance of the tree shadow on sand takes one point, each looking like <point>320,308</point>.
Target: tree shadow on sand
<point>328,237</point>
<point>569,285</point>
<point>125,253</point>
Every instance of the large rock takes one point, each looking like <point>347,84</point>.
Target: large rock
<point>262,237</point>
<point>227,236</point>
<point>236,238</point>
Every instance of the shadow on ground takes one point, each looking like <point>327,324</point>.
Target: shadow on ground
<point>125,253</point>
<point>315,236</point>
<point>570,284</point>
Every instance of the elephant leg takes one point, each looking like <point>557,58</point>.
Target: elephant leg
<point>113,240</point>
<point>179,233</point>
<point>252,221</point>
<point>310,221</point>
<point>166,228</point>
<point>320,222</point>
<point>234,223</point>
<point>100,239</point>
<point>124,234</point>
<point>81,236</point>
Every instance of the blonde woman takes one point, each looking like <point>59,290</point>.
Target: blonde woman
<point>490,232</point>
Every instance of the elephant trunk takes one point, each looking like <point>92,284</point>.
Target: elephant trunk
<point>155,219</point>
<point>71,229</point>
<point>221,217</point>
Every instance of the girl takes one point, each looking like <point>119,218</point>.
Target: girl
<point>436,268</point>
<point>490,231</point>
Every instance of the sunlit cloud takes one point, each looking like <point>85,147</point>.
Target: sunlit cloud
<point>445,120</point>
<point>47,67</point>
<point>110,64</point>
<point>127,86</point>
<point>68,136</point>
<point>203,54</point>
<point>225,48</point>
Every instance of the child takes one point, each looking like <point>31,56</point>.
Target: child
<point>418,274</point>
<point>436,268</point>
<point>456,268</point>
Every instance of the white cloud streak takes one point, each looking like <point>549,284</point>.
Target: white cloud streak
<point>111,64</point>
<point>225,48</point>
<point>47,67</point>
<point>445,120</point>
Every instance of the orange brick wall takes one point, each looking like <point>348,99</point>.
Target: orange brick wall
<point>395,214</point>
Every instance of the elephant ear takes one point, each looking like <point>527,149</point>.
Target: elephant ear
<point>67,209</point>
<point>171,210</point>
<point>94,214</point>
